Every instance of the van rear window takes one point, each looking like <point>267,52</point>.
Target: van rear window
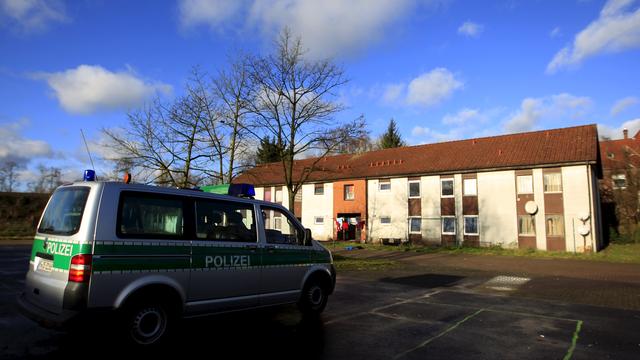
<point>144,215</point>
<point>63,215</point>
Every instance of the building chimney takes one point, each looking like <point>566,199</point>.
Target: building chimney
<point>625,132</point>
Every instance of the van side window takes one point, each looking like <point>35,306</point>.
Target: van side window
<point>225,221</point>
<point>280,229</point>
<point>146,215</point>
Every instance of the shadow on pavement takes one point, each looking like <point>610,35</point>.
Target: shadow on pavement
<point>426,281</point>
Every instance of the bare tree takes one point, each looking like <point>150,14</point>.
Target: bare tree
<point>624,189</point>
<point>295,102</point>
<point>8,176</point>
<point>49,178</point>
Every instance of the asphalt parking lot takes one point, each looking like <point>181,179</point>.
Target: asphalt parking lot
<point>400,316</point>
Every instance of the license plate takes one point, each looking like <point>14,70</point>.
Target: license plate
<point>44,265</point>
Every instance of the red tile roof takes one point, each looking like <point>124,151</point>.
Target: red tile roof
<point>531,149</point>
<point>615,154</point>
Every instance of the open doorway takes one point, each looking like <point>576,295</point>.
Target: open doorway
<point>350,231</point>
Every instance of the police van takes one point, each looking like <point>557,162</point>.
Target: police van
<point>153,255</point>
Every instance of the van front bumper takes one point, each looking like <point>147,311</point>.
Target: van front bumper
<point>43,317</point>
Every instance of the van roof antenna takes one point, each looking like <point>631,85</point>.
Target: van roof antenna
<point>87,147</point>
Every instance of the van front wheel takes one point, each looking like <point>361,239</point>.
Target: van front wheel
<point>314,298</point>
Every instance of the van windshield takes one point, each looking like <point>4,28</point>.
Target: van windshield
<point>64,212</point>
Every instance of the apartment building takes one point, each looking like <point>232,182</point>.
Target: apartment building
<point>528,190</point>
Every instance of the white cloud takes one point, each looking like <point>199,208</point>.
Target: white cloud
<point>328,28</point>
<point>420,131</point>
<point>462,117</point>
<point>533,110</point>
<point>433,87</point>
<point>555,32</point>
<point>393,93</point>
<point>617,29</point>
<point>31,15</point>
<point>606,131</point>
<point>88,89</point>
<point>623,104</point>
<point>15,147</point>
<point>470,29</point>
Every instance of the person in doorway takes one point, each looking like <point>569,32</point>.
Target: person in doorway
<point>345,229</point>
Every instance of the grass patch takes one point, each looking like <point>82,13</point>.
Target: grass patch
<point>347,263</point>
<point>618,253</point>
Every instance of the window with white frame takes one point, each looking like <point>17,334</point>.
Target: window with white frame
<point>446,187</point>
<point>555,225</point>
<point>384,185</point>
<point>385,220</point>
<point>318,189</point>
<point>469,187</point>
<point>415,225</point>
<point>525,184</point>
<point>279,196</point>
<point>552,182</point>
<point>619,181</point>
<point>318,220</point>
<point>471,225</point>
<point>526,225</point>
<point>448,225</point>
<point>414,189</point>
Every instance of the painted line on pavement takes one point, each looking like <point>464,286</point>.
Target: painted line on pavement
<point>574,341</point>
<point>429,340</point>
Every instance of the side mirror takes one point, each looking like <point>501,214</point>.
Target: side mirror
<point>307,237</point>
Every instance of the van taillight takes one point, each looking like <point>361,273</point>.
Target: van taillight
<point>80,269</point>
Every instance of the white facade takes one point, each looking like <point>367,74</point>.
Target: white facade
<point>389,204</point>
<point>497,220</point>
<point>431,221</point>
<point>315,207</point>
<point>577,204</point>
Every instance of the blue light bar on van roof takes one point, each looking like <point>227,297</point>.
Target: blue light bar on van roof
<point>89,175</point>
<point>239,190</point>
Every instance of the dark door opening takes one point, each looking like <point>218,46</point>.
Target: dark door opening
<point>352,230</point>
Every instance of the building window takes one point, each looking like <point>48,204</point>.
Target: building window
<point>471,225</point>
<point>610,155</point>
<point>555,225</point>
<point>318,189</point>
<point>414,189</point>
<point>318,220</point>
<point>384,185</point>
<point>349,192</point>
<point>525,184</point>
<point>415,225</point>
<point>526,225</point>
<point>552,182</point>
<point>279,196</point>
<point>469,186</point>
<point>267,194</point>
<point>277,223</point>
<point>385,220</point>
<point>619,181</point>
<point>446,187</point>
<point>448,225</point>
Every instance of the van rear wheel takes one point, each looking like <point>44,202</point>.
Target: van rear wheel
<point>147,324</point>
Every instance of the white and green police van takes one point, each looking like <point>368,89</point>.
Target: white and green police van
<point>153,255</point>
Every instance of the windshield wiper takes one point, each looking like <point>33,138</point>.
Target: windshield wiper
<point>48,229</point>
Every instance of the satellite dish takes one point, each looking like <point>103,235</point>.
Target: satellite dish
<point>584,230</point>
<point>584,216</point>
<point>531,207</point>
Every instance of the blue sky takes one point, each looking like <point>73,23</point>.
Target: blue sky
<point>444,70</point>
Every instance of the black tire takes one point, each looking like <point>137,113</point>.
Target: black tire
<point>314,298</point>
<point>147,324</point>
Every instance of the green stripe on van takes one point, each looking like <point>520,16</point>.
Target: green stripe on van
<point>62,251</point>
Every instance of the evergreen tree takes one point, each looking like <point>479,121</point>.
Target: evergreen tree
<point>268,151</point>
<point>391,138</point>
